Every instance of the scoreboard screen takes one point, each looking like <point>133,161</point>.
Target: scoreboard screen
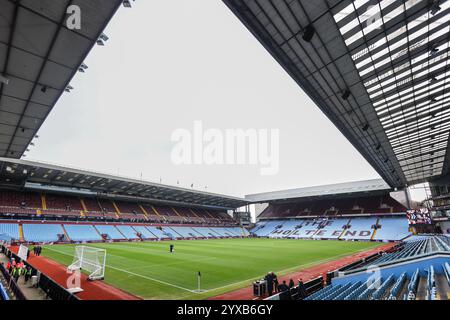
<point>418,216</point>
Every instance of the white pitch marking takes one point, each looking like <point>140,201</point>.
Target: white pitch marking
<point>134,274</point>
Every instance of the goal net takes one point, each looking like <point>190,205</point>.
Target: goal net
<point>91,260</point>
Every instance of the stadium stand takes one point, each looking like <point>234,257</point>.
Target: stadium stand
<point>348,228</point>
<point>392,228</point>
<point>359,229</point>
<point>145,233</point>
<point>82,232</point>
<point>330,229</point>
<point>10,229</point>
<point>202,232</point>
<point>158,232</point>
<point>127,231</point>
<point>418,270</point>
<point>416,248</point>
<point>110,232</point>
<point>42,232</point>
<point>3,293</point>
<point>55,206</point>
<point>185,232</point>
<point>339,206</point>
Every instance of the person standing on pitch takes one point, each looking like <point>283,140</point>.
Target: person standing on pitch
<point>171,248</point>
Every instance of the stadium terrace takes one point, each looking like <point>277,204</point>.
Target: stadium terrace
<point>376,69</point>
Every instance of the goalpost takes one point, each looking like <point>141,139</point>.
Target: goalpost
<point>92,260</point>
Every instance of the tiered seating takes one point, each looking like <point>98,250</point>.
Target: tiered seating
<point>169,214</point>
<point>265,228</point>
<point>330,229</point>
<point>111,231</point>
<point>333,207</point>
<point>164,210</point>
<point>145,233</point>
<point>446,268</point>
<point>30,200</point>
<point>151,214</point>
<point>414,248</point>
<point>184,232</point>
<point>205,232</point>
<point>49,232</point>
<point>409,285</point>
<point>107,208</point>
<point>223,232</point>
<point>127,231</point>
<point>10,230</point>
<point>82,232</point>
<point>185,212</point>
<point>161,234</point>
<point>58,206</point>
<point>379,293</point>
<point>93,208</point>
<point>398,285</point>
<point>413,284</point>
<point>42,232</point>
<point>431,284</point>
<point>203,214</point>
<point>63,203</point>
<point>130,211</point>
<point>392,228</point>
<point>360,229</point>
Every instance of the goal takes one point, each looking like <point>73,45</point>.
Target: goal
<point>92,260</point>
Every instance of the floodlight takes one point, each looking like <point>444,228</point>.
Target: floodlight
<point>345,95</point>
<point>3,79</point>
<point>308,33</point>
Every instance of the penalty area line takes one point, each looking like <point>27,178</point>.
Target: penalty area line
<point>135,274</point>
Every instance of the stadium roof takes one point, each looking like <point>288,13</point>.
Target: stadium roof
<point>16,173</point>
<point>347,188</point>
<point>377,69</point>
<point>39,55</point>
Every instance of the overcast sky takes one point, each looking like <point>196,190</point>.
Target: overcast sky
<point>169,63</point>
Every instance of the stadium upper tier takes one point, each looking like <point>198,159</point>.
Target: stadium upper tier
<point>18,174</point>
<point>54,206</point>
<point>333,207</point>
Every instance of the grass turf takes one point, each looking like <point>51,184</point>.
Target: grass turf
<point>148,270</point>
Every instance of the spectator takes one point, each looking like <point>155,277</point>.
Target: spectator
<point>291,284</point>
<point>275,282</point>
<point>16,273</point>
<point>269,279</point>
<point>301,290</point>
<point>285,293</point>
<point>283,287</point>
<point>28,273</point>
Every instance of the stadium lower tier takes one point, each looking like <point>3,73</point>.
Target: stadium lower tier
<point>391,228</point>
<point>66,232</point>
<point>417,270</point>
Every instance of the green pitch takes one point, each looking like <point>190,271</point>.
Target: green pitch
<point>148,270</point>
